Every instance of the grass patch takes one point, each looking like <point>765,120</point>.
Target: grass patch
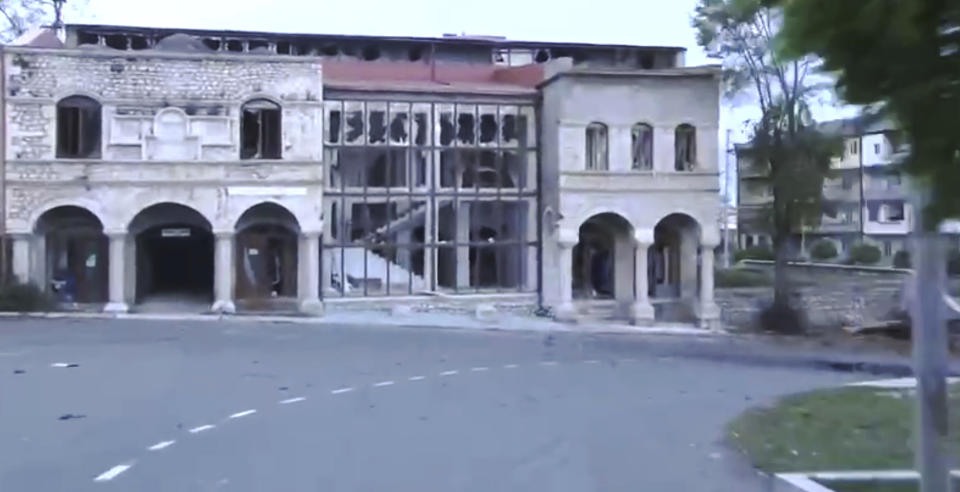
<point>837,429</point>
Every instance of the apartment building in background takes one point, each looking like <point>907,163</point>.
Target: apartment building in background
<point>224,171</point>
<point>865,198</point>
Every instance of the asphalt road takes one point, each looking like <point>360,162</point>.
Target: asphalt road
<point>246,406</point>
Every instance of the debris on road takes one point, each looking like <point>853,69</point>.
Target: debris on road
<point>71,416</point>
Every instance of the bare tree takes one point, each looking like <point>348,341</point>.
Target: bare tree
<point>19,16</point>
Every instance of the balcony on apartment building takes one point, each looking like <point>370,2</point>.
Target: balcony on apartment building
<point>893,217</point>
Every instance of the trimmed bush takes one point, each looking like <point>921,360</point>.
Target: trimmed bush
<point>823,250</point>
<point>741,277</point>
<point>901,259</point>
<point>864,254</point>
<point>24,298</point>
<point>753,253</point>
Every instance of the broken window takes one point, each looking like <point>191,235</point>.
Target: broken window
<point>488,125</point>
<point>597,147</point>
<point>641,137</point>
<point>378,126</point>
<point>686,148</point>
<point>422,128</point>
<point>446,128</point>
<point>260,132</point>
<point>508,127</point>
<point>333,125</point>
<point>465,128</point>
<point>399,124</point>
<point>78,128</point>
<point>354,128</point>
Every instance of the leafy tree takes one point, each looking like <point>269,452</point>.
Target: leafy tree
<point>18,16</point>
<point>785,144</point>
<point>823,250</point>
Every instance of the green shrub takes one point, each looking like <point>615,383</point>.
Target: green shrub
<point>741,277</point>
<point>901,259</point>
<point>864,254</point>
<point>24,298</point>
<point>753,253</point>
<point>823,250</point>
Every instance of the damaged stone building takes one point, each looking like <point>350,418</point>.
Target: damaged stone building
<point>249,171</point>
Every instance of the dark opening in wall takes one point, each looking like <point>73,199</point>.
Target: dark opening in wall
<point>235,45</point>
<point>260,130</point>
<point>371,52</point>
<point>542,56</point>
<point>349,50</point>
<point>378,126</point>
<point>117,41</point>
<point>580,56</point>
<point>213,44</point>
<point>465,128</point>
<point>646,61</point>
<point>560,53</point>
<point>446,128</point>
<point>330,50</point>
<point>420,120</point>
<point>334,127</point>
<point>284,47</point>
<point>415,53</point>
<point>354,126</point>
<point>78,128</point>
<point>509,127</point>
<point>488,128</point>
<point>259,45</point>
<point>87,38</point>
<point>139,43</point>
<point>398,128</point>
<point>305,49</point>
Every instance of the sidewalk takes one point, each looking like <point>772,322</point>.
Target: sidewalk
<point>442,320</point>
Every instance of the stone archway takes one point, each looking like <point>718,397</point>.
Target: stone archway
<point>603,259</point>
<point>673,259</point>
<point>267,236</point>
<point>72,255</point>
<point>173,254</point>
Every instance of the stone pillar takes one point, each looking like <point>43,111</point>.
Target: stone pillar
<point>709,311</point>
<point>117,260</point>
<point>642,311</point>
<point>566,240</point>
<point>308,269</point>
<point>223,273</point>
<point>463,252</point>
<point>21,259</point>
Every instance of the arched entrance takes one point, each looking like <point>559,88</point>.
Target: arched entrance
<point>174,254</point>
<point>73,253</point>
<point>603,259</point>
<point>266,253</point>
<point>673,258</point>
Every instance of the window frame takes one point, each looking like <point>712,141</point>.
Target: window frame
<point>689,134</point>
<point>88,119</point>
<point>636,145</point>
<point>597,147</point>
<point>269,120</point>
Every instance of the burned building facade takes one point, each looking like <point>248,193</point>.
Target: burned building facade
<point>255,170</point>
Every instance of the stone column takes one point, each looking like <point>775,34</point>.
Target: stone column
<point>223,273</point>
<point>642,311</point>
<point>21,259</point>
<point>308,270</point>
<point>565,310</point>
<point>709,312</point>
<point>463,237</point>
<point>117,261</point>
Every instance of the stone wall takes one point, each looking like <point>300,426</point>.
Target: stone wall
<point>830,299</point>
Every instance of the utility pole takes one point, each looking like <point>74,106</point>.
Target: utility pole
<point>726,201</point>
<point>929,333</point>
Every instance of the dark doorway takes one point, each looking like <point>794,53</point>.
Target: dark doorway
<point>175,259</point>
<point>266,262</point>
<point>76,259</point>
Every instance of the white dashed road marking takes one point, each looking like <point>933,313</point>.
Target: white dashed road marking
<point>341,390</point>
<point>416,378</point>
<point>449,373</point>
<point>291,400</point>
<point>548,363</point>
<point>383,383</point>
<point>591,361</point>
<point>112,473</point>
<point>197,430</point>
<point>243,414</point>
<point>160,445</point>
<point>480,369</point>
<point>510,366</point>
